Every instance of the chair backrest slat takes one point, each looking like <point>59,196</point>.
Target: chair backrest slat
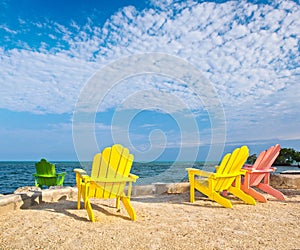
<point>231,163</point>
<point>263,162</point>
<point>45,168</point>
<point>114,162</point>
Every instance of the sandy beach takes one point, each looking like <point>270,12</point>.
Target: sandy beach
<point>163,222</point>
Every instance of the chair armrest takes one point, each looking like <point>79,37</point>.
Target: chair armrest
<point>227,175</point>
<point>45,175</point>
<point>261,170</point>
<point>199,172</point>
<point>62,174</point>
<point>243,171</point>
<point>79,171</point>
<point>83,175</point>
<point>112,180</point>
<point>133,177</point>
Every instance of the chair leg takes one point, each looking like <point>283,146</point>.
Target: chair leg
<point>243,196</point>
<point>90,212</point>
<point>256,195</point>
<point>79,197</point>
<point>192,190</point>
<point>85,199</point>
<point>129,208</point>
<point>221,200</point>
<point>272,191</point>
<point>118,203</point>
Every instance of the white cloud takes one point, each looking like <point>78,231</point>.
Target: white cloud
<point>8,30</point>
<point>249,52</point>
<point>242,49</point>
<point>39,82</point>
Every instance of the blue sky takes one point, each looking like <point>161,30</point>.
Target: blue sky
<point>50,51</point>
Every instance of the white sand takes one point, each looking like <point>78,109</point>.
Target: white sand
<point>163,222</point>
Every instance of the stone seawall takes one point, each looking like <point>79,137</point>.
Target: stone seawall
<point>290,181</point>
<point>26,197</point>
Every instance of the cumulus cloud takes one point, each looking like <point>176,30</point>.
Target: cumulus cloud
<point>248,52</point>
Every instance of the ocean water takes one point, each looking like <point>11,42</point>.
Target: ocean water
<point>19,174</point>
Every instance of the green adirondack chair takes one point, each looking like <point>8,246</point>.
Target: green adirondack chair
<point>46,175</point>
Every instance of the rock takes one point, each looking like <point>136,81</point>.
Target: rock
<point>56,187</point>
<point>160,188</point>
<point>56,194</point>
<point>178,188</point>
<point>142,190</point>
<point>285,181</point>
<point>27,189</point>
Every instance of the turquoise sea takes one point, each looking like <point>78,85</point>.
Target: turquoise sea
<point>19,174</point>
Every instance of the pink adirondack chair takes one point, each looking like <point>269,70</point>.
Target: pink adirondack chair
<point>258,175</point>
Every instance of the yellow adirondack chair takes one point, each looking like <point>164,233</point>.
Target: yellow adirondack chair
<point>109,177</point>
<point>258,175</point>
<point>212,184</point>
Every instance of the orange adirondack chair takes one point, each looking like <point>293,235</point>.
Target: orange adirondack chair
<point>212,184</point>
<point>109,176</point>
<point>258,175</point>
